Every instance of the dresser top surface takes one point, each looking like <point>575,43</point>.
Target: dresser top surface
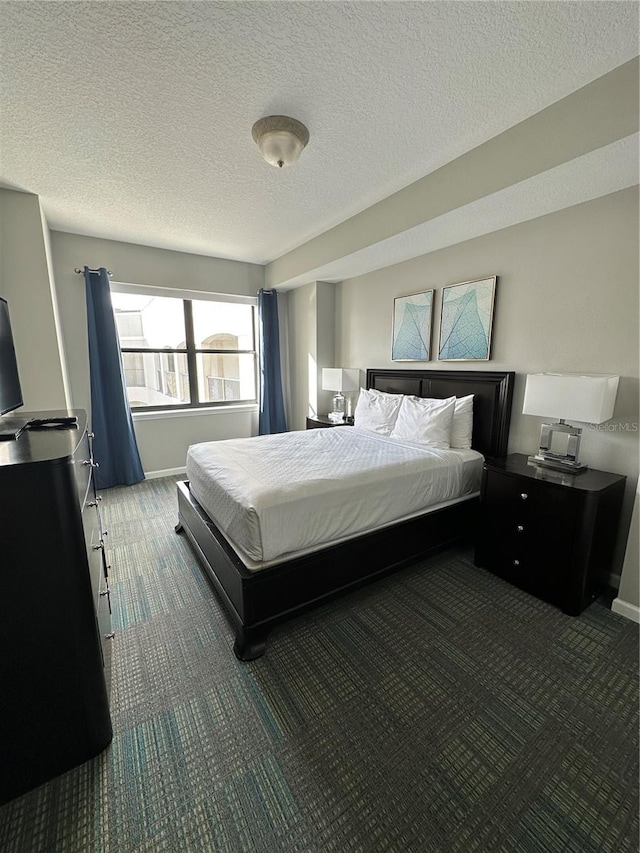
<point>591,480</point>
<point>43,445</point>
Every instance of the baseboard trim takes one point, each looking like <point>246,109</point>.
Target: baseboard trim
<point>623,608</point>
<point>167,472</point>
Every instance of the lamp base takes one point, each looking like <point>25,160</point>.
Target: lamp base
<point>569,467</point>
<point>559,448</point>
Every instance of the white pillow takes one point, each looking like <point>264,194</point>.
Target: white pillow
<point>425,421</point>
<point>462,429</point>
<point>376,411</point>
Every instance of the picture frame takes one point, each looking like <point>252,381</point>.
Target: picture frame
<point>412,321</point>
<point>466,320</point>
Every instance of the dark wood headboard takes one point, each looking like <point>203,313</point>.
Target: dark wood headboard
<point>492,390</point>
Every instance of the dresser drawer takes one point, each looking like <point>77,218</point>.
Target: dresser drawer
<point>95,549</point>
<point>106,633</point>
<point>82,468</point>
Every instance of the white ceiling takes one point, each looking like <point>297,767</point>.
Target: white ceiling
<point>132,120</point>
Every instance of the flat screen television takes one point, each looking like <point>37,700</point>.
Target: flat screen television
<point>10,391</point>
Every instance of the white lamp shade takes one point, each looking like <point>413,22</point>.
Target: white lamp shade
<point>340,379</point>
<point>571,396</point>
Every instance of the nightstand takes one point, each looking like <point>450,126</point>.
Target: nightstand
<point>322,421</point>
<point>549,533</point>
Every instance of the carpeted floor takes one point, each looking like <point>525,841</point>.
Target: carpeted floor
<point>438,711</point>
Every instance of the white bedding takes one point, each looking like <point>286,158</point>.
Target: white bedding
<point>278,494</point>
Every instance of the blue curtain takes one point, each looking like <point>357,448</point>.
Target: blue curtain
<point>272,417</point>
<point>114,445</point>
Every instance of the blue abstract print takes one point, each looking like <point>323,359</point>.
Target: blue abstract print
<point>412,327</point>
<point>465,326</point>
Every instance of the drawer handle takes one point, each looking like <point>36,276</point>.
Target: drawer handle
<point>516,562</point>
<point>110,636</point>
<point>524,496</point>
<point>91,462</point>
<point>97,547</point>
<point>92,503</point>
<point>520,528</point>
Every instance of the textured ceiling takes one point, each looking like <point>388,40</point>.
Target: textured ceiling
<point>132,120</point>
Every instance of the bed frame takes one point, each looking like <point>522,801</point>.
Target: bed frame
<point>256,601</point>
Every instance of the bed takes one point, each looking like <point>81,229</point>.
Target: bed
<point>261,588</point>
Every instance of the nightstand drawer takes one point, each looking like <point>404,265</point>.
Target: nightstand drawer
<point>528,567</point>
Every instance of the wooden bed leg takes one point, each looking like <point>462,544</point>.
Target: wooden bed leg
<point>251,643</point>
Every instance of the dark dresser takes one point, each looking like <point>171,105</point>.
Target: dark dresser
<point>55,608</point>
<point>550,533</point>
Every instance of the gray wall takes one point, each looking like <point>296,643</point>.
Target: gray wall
<point>162,439</point>
<point>567,301</point>
<point>312,343</point>
<point>27,285</point>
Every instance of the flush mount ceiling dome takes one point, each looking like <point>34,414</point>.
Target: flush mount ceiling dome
<point>281,139</point>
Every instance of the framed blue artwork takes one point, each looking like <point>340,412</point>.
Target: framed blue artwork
<point>466,319</point>
<point>412,327</point>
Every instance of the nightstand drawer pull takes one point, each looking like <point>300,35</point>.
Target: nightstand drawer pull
<point>516,562</point>
<point>524,496</point>
<point>520,528</point>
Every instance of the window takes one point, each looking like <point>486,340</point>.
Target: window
<point>185,353</point>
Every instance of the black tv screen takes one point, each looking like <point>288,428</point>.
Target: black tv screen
<point>10,391</point>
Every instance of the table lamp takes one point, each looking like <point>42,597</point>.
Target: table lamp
<point>585,398</point>
<point>339,379</point>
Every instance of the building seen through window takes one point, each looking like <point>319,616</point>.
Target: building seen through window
<point>185,353</point>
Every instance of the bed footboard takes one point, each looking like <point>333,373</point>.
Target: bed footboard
<point>256,601</point>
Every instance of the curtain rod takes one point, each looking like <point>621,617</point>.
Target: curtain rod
<point>79,270</point>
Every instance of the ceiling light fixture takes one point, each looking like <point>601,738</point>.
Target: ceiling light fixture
<point>281,139</point>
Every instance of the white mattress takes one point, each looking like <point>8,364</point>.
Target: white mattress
<point>273,496</point>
